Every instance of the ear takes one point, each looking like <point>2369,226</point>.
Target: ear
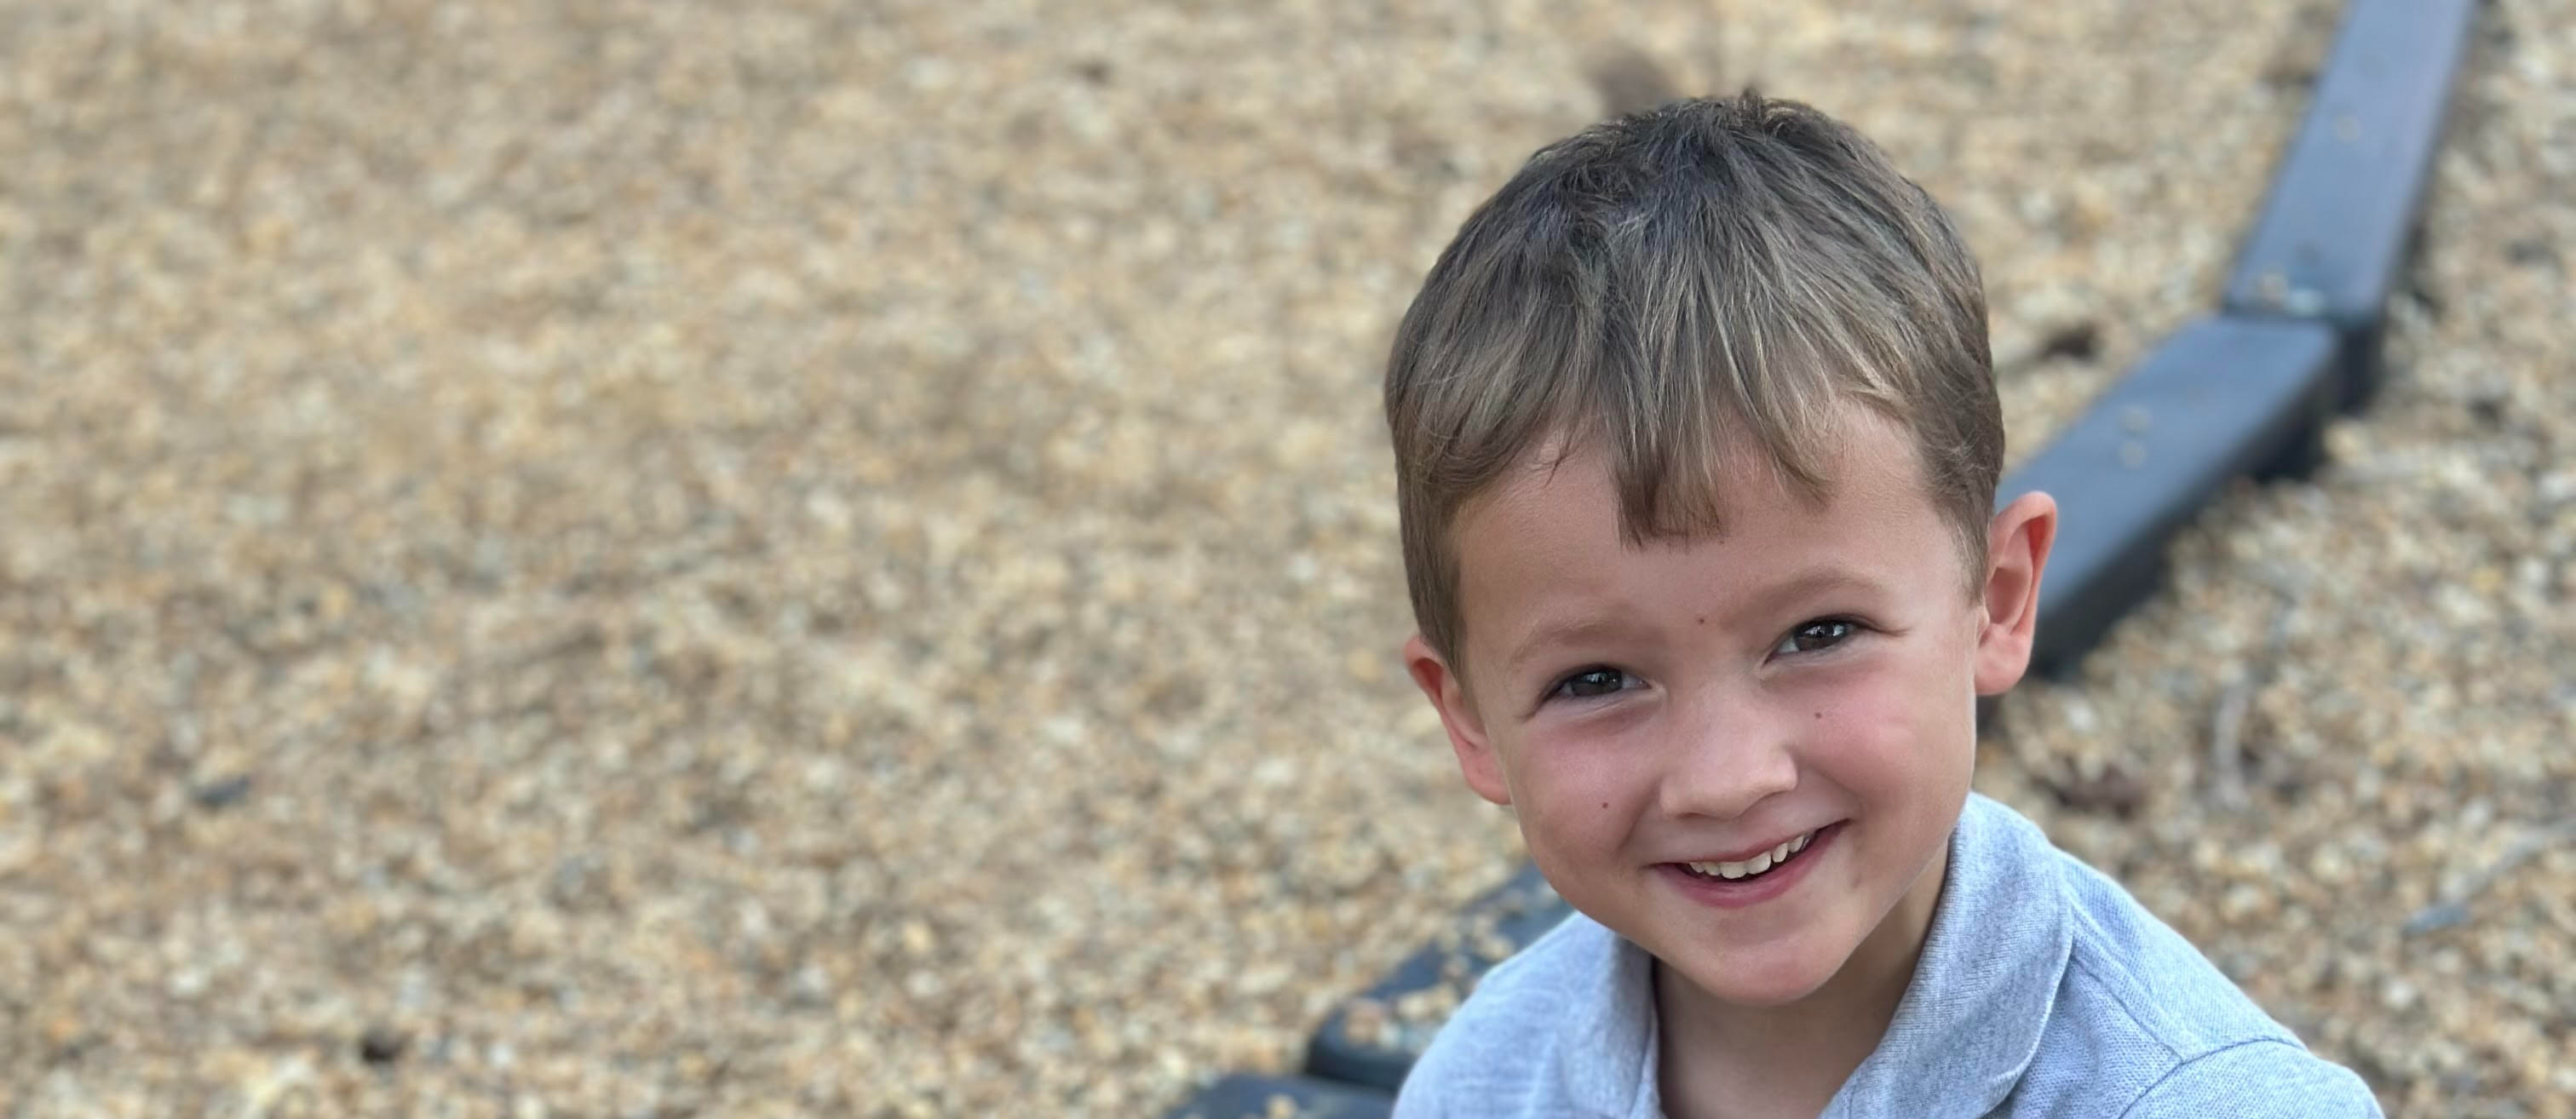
<point>1448,695</point>
<point>2017,546</point>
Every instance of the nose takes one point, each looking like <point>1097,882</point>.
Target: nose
<point>1726,757</point>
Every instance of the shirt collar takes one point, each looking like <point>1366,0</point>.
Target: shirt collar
<point>1972,1017</point>
<point>1605,1058</point>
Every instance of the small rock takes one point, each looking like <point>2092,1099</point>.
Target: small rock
<point>2112,790</point>
<point>215,796</point>
<point>380,1046</point>
<point>2433,918</point>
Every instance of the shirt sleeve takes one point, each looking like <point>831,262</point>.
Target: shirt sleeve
<point>1416,1103</point>
<point>2260,1080</point>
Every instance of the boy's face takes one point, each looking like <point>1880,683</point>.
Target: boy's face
<point>1807,676</point>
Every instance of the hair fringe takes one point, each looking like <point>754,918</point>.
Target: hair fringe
<point>1712,274</point>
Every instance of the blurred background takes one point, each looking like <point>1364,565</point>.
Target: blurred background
<point>673,558</point>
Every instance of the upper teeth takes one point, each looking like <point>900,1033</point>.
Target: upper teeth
<point>1758,863</point>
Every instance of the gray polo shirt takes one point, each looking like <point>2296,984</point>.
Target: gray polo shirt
<point>2043,990</point>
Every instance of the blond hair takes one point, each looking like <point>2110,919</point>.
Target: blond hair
<point>1663,285</point>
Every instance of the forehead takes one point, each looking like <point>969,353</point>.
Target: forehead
<point>1872,472</point>
<point>1548,538</point>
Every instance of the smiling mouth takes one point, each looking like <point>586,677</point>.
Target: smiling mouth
<point>1755,867</point>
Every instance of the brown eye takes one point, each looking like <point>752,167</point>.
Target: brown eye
<point>1815,636</point>
<point>1591,683</point>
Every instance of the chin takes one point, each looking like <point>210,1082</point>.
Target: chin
<point>1760,981</point>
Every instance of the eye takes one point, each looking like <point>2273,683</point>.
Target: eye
<point>1592,683</point>
<point>1816,636</point>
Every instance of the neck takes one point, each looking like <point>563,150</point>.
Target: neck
<point>1802,1051</point>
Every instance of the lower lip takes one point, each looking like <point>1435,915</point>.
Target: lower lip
<point>1742,892</point>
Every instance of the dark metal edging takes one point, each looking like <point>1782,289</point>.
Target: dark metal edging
<point>2334,236</point>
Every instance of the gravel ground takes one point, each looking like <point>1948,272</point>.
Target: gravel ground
<point>672,558</point>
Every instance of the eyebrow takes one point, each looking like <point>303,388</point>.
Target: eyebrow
<point>1804,583</point>
<point>1549,634</point>
<point>1816,580</point>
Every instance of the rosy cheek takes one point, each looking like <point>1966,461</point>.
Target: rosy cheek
<point>1887,732</point>
<point>1577,784</point>
<point>1863,716</point>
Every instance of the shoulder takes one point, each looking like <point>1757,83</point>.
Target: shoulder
<point>2130,968</point>
<point>2143,1021</point>
<point>2261,1079</point>
<point>1502,1052</point>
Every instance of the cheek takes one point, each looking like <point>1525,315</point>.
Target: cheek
<point>1902,726</point>
<point>1575,787</point>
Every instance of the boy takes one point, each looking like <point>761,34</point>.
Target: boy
<point>1697,441</point>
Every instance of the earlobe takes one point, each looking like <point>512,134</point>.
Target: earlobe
<point>1448,696</point>
<point>2017,544</point>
